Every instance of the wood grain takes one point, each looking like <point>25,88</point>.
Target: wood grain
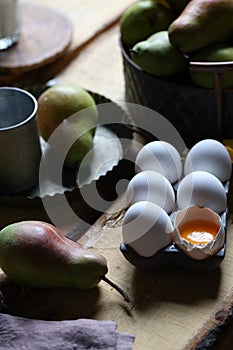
<point>89,17</point>
<point>168,308</point>
<point>89,20</point>
<point>45,34</point>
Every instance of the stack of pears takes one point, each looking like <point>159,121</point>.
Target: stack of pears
<point>162,36</point>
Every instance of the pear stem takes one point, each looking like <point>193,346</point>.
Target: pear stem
<point>117,288</point>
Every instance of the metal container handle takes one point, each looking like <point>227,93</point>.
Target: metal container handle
<point>217,68</point>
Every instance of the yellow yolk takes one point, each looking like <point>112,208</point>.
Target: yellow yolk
<point>199,232</point>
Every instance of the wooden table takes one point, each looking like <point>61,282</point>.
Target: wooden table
<point>171,309</point>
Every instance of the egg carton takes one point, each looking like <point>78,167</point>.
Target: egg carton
<point>172,256</point>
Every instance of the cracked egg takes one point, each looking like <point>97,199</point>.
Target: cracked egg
<point>199,232</point>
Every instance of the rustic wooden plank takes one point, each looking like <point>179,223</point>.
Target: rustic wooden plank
<point>166,307</point>
<point>205,337</point>
<point>169,305</point>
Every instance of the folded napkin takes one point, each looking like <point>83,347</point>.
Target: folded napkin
<point>81,334</point>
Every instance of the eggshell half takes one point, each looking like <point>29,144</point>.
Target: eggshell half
<point>198,251</point>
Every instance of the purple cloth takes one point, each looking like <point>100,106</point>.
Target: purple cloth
<point>21,333</point>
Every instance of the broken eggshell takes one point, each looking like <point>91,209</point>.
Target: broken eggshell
<point>199,232</point>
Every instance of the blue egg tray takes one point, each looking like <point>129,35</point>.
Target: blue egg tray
<point>172,256</point>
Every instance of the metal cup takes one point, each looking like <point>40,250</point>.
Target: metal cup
<point>20,150</point>
<point>9,23</point>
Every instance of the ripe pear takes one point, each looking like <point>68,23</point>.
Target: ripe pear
<point>61,103</point>
<point>157,56</point>
<point>37,254</point>
<point>144,18</point>
<point>203,22</point>
<point>221,52</point>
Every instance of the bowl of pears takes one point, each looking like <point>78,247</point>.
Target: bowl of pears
<point>178,60</point>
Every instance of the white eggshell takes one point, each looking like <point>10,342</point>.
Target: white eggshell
<point>198,251</point>
<point>162,157</point>
<point>153,187</point>
<point>146,228</point>
<point>201,189</point>
<point>211,156</point>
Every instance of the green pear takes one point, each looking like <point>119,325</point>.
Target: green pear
<point>61,102</point>
<point>82,146</point>
<point>144,18</point>
<point>81,150</point>
<point>213,53</point>
<point>157,56</point>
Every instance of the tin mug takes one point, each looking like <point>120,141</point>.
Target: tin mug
<point>20,150</point>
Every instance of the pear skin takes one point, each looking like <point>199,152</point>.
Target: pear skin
<point>202,22</point>
<point>144,18</point>
<point>213,53</point>
<point>60,102</point>
<point>157,56</point>
<point>37,254</point>
<point>81,151</point>
<point>76,139</point>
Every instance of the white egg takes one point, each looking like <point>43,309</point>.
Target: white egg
<point>162,157</point>
<point>147,228</point>
<point>201,189</point>
<point>199,232</point>
<point>153,187</point>
<point>211,156</point>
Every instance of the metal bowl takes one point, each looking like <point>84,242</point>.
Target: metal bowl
<point>197,113</point>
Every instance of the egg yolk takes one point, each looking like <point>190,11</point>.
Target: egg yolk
<point>199,232</point>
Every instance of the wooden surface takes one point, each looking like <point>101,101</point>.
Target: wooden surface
<point>171,309</point>
<point>91,19</point>
<point>45,34</point>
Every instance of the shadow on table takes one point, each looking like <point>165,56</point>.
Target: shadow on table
<point>175,285</point>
